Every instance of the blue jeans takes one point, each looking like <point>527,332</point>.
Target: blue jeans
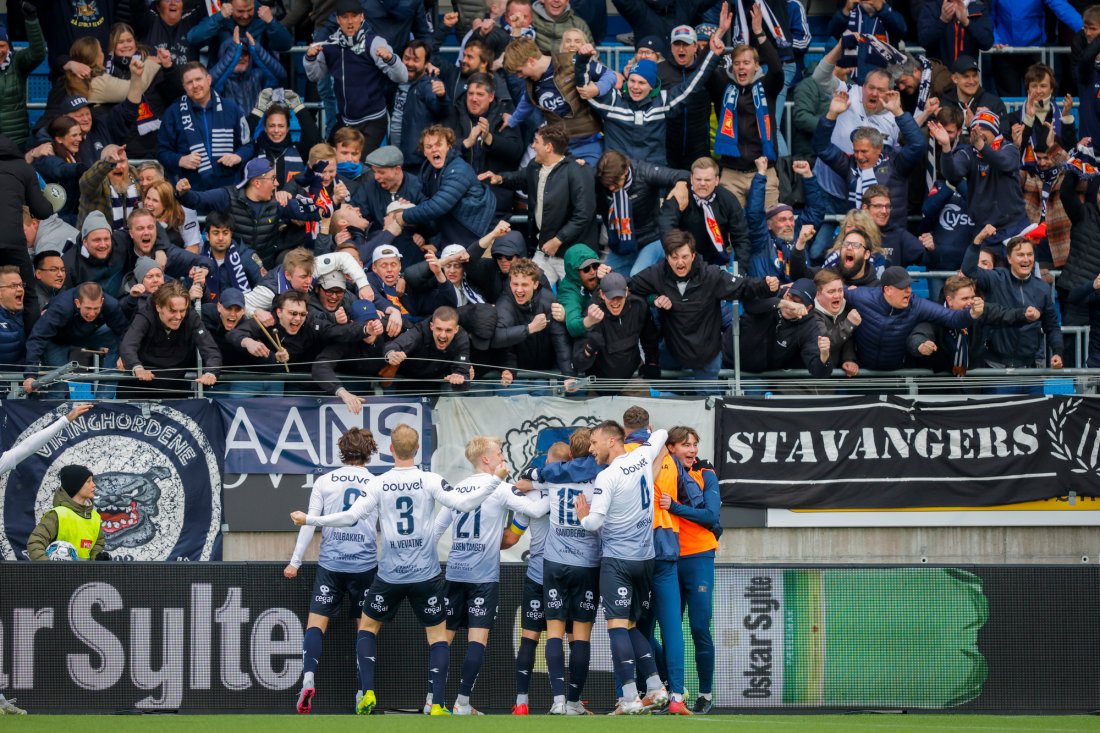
<point>697,596</point>
<point>665,610</point>
<point>630,265</point>
<point>587,149</point>
<point>327,93</point>
<point>55,355</point>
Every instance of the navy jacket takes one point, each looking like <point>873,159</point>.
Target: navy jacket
<point>993,181</point>
<point>454,192</point>
<point>1085,294</point>
<point>62,324</point>
<point>13,340</point>
<point>881,337</point>
<point>422,109</point>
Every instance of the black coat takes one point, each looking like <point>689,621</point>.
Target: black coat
<point>649,183</point>
<point>942,359</point>
<point>770,341</point>
<point>18,186</point>
<point>149,344</point>
<point>570,213</point>
<point>692,327</point>
<point>731,223</point>
<point>610,348</point>
<point>546,350</point>
<point>425,360</point>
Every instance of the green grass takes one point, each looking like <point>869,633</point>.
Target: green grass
<point>502,723</point>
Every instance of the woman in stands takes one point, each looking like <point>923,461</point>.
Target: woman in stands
<point>56,161</point>
<point>275,142</point>
<point>160,200</point>
<point>122,48</point>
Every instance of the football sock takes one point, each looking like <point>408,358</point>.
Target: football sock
<point>622,653</point>
<point>471,666</point>
<point>366,649</point>
<point>439,659</point>
<point>311,653</point>
<point>555,665</point>
<point>643,655</point>
<point>525,663</point>
<point>579,654</point>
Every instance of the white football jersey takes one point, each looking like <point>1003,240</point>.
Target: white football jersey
<point>623,493</point>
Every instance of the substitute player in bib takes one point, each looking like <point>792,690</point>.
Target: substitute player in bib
<point>473,564</point>
<point>349,556</point>
<point>407,565</point>
<point>622,510</point>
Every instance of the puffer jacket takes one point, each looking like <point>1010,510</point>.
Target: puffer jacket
<point>453,191</point>
<point>45,531</point>
<point>13,85</point>
<point>546,350</point>
<point>881,336</point>
<point>1084,251</point>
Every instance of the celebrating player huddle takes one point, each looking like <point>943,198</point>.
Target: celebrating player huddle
<point>590,511</point>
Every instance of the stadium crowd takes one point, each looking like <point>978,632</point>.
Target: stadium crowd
<point>179,199</point>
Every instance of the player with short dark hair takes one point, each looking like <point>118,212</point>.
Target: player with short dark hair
<point>348,558</point>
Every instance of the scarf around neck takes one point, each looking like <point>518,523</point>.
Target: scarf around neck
<point>620,221</point>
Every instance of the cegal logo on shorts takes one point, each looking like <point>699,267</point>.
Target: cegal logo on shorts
<point>587,603</point>
<point>479,607</point>
<point>554,601</point>
<point>622,600</point>
<point>433,605</point>
<point>379,603</point>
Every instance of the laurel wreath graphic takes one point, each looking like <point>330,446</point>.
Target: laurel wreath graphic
<point>1060,449</point>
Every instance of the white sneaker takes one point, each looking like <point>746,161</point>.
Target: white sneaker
<point>629,707</point>
<point>428,704</point>
<point>8,707</point>
<point>577,708</point>
<point>558,708</point>
<point>465,710</point>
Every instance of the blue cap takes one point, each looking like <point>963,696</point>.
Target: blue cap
<point>363,311</point>
<point>230,297</point>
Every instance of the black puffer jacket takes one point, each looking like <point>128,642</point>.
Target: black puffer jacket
<point>18,186</point>
<point>1084,249</point>
<point>543,351</point>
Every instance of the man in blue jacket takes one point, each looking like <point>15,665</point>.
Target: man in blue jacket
<point>889,314</point>
<point>13,334</point>
<point>83,317</point>
<point>248,15</point>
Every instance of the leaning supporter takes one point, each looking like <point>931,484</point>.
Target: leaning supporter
<point>221,317</point>
<point>161,344</point>
<point>431,350</point>
<point>689,295</point>
<point>206,155</point>
<point>890,313</point>
<point>49,234</point>
<point>382,186</point>
<point>257,210</point>
<point>526,331</point>
<point>402,309</point>
<point>630,202</point>
<point>83,318</point>
<point>1037,343</point>
<point>782,333</point>
<point>179,222</point>
<point>297,272</point>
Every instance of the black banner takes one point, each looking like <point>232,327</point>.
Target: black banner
<point>204,638</point>
<point>866,453</point>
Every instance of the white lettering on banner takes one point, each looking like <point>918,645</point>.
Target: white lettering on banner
<point>272,645</point>
<point>888,443</point>
<point>312,435</point>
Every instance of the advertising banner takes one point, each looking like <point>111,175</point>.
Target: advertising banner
<point>157,467</point>
<point>858,452</point>
<point>204,638</point>
<point>299,435</point>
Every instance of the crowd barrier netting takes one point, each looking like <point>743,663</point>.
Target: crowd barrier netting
<point>203,638</point>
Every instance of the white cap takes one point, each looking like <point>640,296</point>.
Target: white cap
<point>384,251</point>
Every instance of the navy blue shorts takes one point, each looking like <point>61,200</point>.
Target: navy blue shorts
<point>428,599</point>
<point>570,593</point>
<point>330,587</point>
<point>625,586</point>
<point>532,617</point>
<point>471,605</point>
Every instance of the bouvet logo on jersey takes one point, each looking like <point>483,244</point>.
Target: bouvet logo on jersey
<point>157,474</point>
<point>953,216</point>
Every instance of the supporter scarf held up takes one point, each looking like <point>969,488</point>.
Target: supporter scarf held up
<point>620,222</point>
<point>726,142</point>
<point>742,29</point>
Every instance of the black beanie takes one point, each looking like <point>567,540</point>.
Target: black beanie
<point>73,478</point>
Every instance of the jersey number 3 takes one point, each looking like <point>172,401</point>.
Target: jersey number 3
<point>405,523</point>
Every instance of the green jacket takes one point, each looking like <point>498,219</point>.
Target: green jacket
<point>46,531</point>
<point>95,190</point>
<point>13,85</point>
<point>571,294</point>
<point>548,31</point>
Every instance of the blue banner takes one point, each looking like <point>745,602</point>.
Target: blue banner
<point>158,470</point>
<point>299,435</point>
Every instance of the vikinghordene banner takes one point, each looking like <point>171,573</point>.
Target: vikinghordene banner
<point>214,637</point>
<point>856,452</point>
<point>158,472</point>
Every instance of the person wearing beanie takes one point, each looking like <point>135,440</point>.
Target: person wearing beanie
<point>634,116</point>
<point>97,260</point>
<point>72,519</point>
<point>787,330</point>
<point>990,164</point>
<point>147,278</point>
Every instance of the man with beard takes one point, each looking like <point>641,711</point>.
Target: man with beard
<point>853,262</point>
<point>110,187</point>
<point>483,140</point>
<point>330,298</point>
<point>835,321</point>
<point>163,339</point>
<point>890,313</point>
<point>389,183</point>
<point>477,58</point>
<point>97,259</point>
<point>431,350</point>
<point>417,104</point>
<point>143,237</point>
<point>222,317</point>
<point>620,321</point>
<point>773,230</point>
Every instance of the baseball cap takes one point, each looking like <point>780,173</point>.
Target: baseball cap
<point>613,285</point>
<point>73,103</point>
<point>399,206</point>
<point>704,31</point>
<point>451,250</point>
<point>588,261</point>
<point>231,297</point>
<point>684,34</point>
<point>362,311</point>
<point>384,251</point>
<point>804,289</point>
<point>334,279</point>
<point>964,64</point>
<point>896,277</point>
<point>254,169</point>
<point>348,6</point>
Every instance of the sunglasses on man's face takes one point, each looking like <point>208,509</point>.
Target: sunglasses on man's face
<point>590,268</point>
